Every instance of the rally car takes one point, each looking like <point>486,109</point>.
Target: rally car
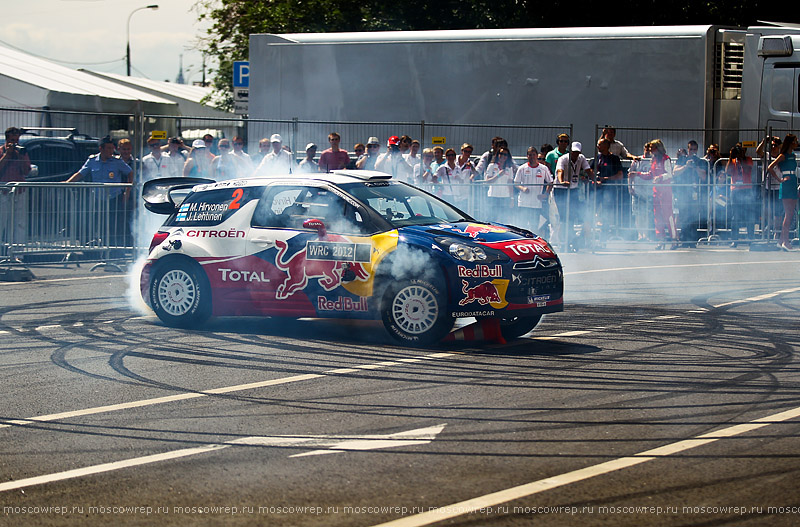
<point>350,244</point>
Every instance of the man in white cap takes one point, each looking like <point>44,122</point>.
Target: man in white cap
<point>367,161</point>
<point>392,161</point>
<point>569,170</point>
<point>277,162</point>
<point>308,164</point>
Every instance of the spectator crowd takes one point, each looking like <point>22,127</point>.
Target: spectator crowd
<point>558,191</point>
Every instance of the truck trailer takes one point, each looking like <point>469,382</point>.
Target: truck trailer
<point>726,84</point>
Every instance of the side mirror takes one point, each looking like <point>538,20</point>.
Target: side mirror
<point>319,225</point>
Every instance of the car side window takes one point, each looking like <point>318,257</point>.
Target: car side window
<point>287,207</point>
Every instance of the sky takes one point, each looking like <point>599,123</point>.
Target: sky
<point>81,33</point>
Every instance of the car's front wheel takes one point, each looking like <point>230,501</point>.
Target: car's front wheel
<point>414,312</point>
<point>180,294</point>
<point>512,328</point>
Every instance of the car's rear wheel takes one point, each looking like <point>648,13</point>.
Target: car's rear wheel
<point>414,312</point>
<point>180,294</point>
<point>512,328</point>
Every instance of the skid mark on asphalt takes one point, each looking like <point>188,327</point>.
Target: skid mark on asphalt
<point>330,445</point>
<point>535,487</point>
<point>220,391</point>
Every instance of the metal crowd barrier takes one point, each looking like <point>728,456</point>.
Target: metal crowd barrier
<point>90,222</point>
<point>69,222</point>
<point>703,214</point>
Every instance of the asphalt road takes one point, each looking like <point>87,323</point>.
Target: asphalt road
<point>667,393</point>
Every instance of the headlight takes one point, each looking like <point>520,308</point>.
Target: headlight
<point>467,253</point>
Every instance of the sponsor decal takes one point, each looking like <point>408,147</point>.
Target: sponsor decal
<point>232,233</point>
<point>342,303</point>
<point>522,250</point>
<point>299,269</point>
<point>534,281</point>
<point>474,229</point>
<point>462,314</point>
<point>483,294</point>
<point>338,252</point>
<point>537,262</point>
<point>539,301</point>
<point>480,271</point>
<point>235,275</point>
<point>221,184</point>
<point>345,197</point>
<point>201,211</point>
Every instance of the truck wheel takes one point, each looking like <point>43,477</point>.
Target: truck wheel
<point>180,294</point>
<point>414,312</point>
<point>512,328</point>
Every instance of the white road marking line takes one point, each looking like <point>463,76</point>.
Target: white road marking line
<point>49,326</point>
<point>51,280</point>
<point>759,297</point>
<point>564,334</point>
<point>206,393</point>
<point>335,445</point>
<point>107,467</point>
<point>535,487</point>
<point>676,266</point>
<point>341,370</point>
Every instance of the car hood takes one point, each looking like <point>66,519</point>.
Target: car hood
<point>478,232</point>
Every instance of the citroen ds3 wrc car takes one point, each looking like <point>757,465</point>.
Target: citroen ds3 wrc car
<point>350,244</point>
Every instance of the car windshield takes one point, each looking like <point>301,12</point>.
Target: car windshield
<point>404,205</point>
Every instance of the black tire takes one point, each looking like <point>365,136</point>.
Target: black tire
<point>512,328</point>
<point>414,312</point>
<point>180,294</point>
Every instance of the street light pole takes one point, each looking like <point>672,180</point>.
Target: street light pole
<point>128,35</point>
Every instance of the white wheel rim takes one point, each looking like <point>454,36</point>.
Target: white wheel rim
<point>177,292</point>
<point>415,309</point>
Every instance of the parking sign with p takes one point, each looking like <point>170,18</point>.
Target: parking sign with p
<point>241,74</point>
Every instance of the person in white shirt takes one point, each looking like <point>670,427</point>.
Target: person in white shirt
<point>392,162</point>
<point>154,164</point>
<point>534,182</point>
<point>448,175</point>
<point>264,148</point>
<point>500,178</point>
<point>308,164</point>
<point>367,161</point>
<point>569,170</point>
<point>277,162</point>
<point>423,172</point>
<point>224,166</point>
<point>242,157</point>
<point>466,172</point>
<point>412,157</point>
<point>174,158</point>
<point>616,147</point>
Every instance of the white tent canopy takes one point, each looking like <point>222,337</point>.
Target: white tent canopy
<point>30,82</point>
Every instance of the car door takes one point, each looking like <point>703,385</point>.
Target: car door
<point>310,243</point>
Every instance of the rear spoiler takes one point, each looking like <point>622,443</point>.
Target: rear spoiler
<point>157,193</point>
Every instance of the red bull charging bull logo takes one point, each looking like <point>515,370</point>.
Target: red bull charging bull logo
<point>474,229</point>
<point>485,293</point>
<point>299,269</point>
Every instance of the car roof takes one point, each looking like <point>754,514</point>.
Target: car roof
<point>337,177</point>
